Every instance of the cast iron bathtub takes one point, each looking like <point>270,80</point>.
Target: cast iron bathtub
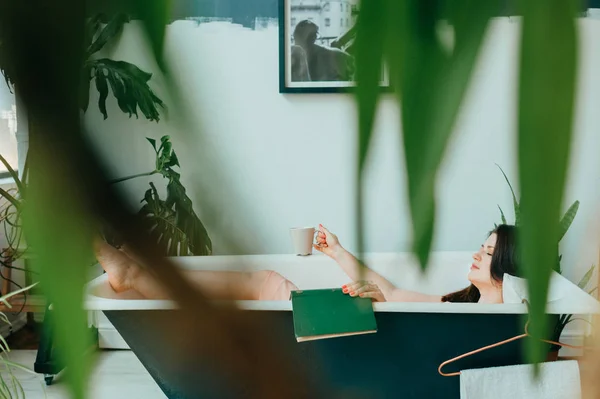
<point>400,361</point>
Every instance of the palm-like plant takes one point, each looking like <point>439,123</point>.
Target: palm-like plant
<point>128,83</point>
<point>565,223</point>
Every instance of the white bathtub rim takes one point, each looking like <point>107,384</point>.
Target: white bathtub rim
<point>94,302</point>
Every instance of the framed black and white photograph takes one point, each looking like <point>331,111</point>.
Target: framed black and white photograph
<point>316,46</point>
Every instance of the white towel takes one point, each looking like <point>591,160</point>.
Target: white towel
<point>557,380</point>
<point>560,290</point>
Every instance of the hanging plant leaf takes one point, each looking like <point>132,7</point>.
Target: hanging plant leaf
<point>430,83</point>
<point>152,142</point>
<point>92,27</point>
<point>546,97</point>
<point>111,31</point>
<point>129,85</point>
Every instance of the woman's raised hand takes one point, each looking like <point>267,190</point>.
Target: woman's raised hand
<point>327,242</point>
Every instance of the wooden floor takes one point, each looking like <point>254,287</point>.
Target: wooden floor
<point>117,375</point>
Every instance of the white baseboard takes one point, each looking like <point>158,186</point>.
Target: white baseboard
<point>109,338</point>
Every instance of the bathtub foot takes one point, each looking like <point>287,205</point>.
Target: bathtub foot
<point>48,378</point>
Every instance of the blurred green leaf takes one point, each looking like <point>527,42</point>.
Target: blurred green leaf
<point>430,82</point>
<point>59,233</point>
<point>155,16</point>
<point>129,85</point>
<point>92,27</point>
<point>369,57</point>
<point>567,219</point>
<point>546,98</point>
<point>86,77</point>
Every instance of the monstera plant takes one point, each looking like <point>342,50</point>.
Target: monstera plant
<point>128,83</point>
<point>172,222</point>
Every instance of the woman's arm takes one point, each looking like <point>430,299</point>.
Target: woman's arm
<point>328,243</point>
<point>352,268</point>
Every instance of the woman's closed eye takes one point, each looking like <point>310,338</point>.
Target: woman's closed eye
<point>487,253</point>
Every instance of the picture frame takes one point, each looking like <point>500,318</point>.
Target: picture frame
<point>316,46</point>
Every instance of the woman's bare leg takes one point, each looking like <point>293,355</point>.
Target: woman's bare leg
<point>125,273</point>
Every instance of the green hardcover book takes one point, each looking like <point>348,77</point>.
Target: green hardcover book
<point>329,313</point>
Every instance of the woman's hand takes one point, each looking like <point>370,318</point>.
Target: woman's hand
<point>364,289</point>
<point>327,242</point>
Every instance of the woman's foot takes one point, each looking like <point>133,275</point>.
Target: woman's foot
<point>120,268</point>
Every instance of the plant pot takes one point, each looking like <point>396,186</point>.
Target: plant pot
<point>552,356</point>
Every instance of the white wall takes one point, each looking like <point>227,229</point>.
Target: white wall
<point>259,162</point>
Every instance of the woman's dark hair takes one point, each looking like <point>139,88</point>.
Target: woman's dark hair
<point>504,260</point>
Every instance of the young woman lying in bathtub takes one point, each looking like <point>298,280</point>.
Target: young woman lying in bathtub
<point>495,257</point>
<point>125,273</point>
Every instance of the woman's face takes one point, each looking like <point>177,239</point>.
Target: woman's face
<point>480,269</point>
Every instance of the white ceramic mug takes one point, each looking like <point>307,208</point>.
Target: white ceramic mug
<point>302,239</point>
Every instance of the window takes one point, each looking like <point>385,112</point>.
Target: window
<point>326,7</point>
<point>327,22</point>
<point>293,22</point>
<point>341,21</point>
<point>342,7</point>
<point>347,24</point>
<point>8,130</point>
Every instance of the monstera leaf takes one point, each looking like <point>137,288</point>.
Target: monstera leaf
<point>129,85</point>
<point>172,223</point>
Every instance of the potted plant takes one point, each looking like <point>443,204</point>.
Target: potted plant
<point>128,83</point>
<point>172,222</point>
<point>565,223</point>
